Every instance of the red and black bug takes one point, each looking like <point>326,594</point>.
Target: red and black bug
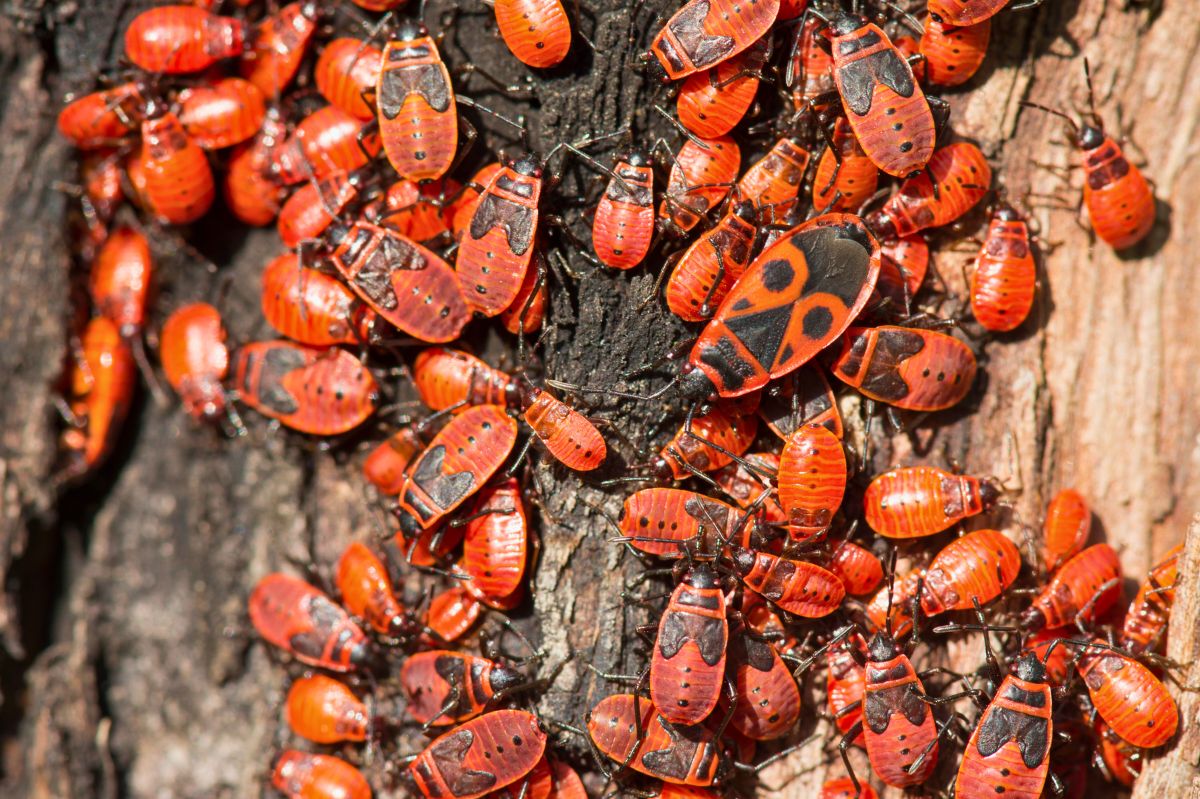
<point>799,587</point>
<point>1131,700</point>
<point>916,501</point>
<point>463,207</point>
<point>883,101</point>
<point>713,102</point>
<point>906,367</point>
<point>704,33</point>
<point>418,117</point>
<point>250,192</point>
<point>445,687</point>
<point>326,711</point>
<point>311,307</point>
<point>406,284</point>
<point>221,113</point>
<point>845,178</point>
<point>278,45</point>
<point>1084,588</point>
<point>296,617</point>
<point>445,378</point>
<point>567,434</point>
<point>119,283</point>
<point>712,264</point>
<point>195,359</point>
<point>702,174</point>
<point>102,118</point>
<point>537,32</point>
<point>1066,529</point>
<point>859,569</point>
<point>366,589</point>
<point>300,775</point>
<point>457,463</point>
<point>384,467</point>
<point>800,398</point>
<point>1005,275</point>
<point>1009,751</point>
<point>812,481</point>
<point>627,729</point>
<point>773,182</point>
<point>326,141</point>
<point>1150,611</point>
<point>767,701</point>
<point>972,12</point>
<point>483,754</point>
<point>180,38</point>
<point>663,521</point>
<point>496,545</point>
<point>688,664</point>
<point>953,53</point>
<point>962,176</point>
<point>690,449</point>
<point>978,567</point>
<point>624,222</point>
<point>178,185</point>
<point>101,385</point>
<point>798,296</point>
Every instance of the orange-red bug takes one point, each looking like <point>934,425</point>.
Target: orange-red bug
<point>461,458</point>
<point>702,174</point>
<point>296,617</point>
<point>101,118</point>
<point>102,382</point>
<point>279,44</point>
<point>1131,700</point>
<point>566,782</point>
<point>713,102</point>
<point>800,398</point>
<point>178,182</point>
<point>195,359</point>
<point>916,501</point>
<point>120,279</point>
<point>681,755</point>
<point>446,377</point>
<point>498,244</point>
<point>324,392</point>
<point>953,53</point>
<point>704,33</point>
<point>175,39</point>
<point>300,775</point>
<point>221,113</point>
<point>797,296</point>
<point>406,284</point>
<point>1150,611</point>
<point>979,566</point>
<point>416,210</point>
<point>883,101</point>
<point>527,313</point>
<point>897,723</point>
<point>250,192</point>
<point>905,262</point>
<point>712,264</point>
<point>537,32</point>
<point>773,182</point>
<point>843,788</point>
<point>366,589</point>
<point>624,221</point>
<point>799,587</point>
<point>745,487</point>
<point>812,481</point>
<point>567,434</point>
<point>315,206</point>
<point>1084,588</point>
<point>660,521</point>
<point>845,178</point>
<point>326,711</point>
<point>906,367</point>
<point>1009,751</point>
<point>346,70</point>
<point>846,683</point>
<point>891,608</point>
<point>445,687</point>
<point>326,141</point>
<point>1002,285</point>
<point>970,12</point>
<point>311,307</point>
<point>767,700</point>
<point>810,66</point>
<point>480,755</point>
<point>418,117</point>
<point>496,543</point>
<point>962,176</point>
<point>690,450</point>
<point>452,613</point>
<point>859,569</point>
<point>1066,529</point>
<point>688,663</point>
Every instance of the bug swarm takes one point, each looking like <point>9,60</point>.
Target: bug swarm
<point>783,198</point>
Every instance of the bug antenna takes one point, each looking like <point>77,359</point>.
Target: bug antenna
<point>612,393</point>
<point>679,127</point>
<point>1055,112</point>
<point>1087,76</point>
<point>891,587</point>
<point>912,22</point>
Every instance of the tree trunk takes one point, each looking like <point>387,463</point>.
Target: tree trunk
<point>130,667</point>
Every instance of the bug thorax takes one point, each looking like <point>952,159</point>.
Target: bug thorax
<point>702,575</point>
<point>746,211</point>
<point>1029,668</point>
<point>882,648</point>
<point>1090,137</point>
<point>989,494</point>
<point>1032,620</point>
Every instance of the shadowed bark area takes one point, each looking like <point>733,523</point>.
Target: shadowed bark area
<point>130,668</point>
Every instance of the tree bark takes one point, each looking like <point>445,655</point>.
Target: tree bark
<point>131,669</point>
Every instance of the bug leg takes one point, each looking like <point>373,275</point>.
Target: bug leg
<point>844,750</point>
<point>564,227</point>
<point>1083,619</point>
<point>452,700</point>
<point>915,766</point>
<point>941,117</point>
<point>667,267</point>
<point>707,310</point>
<point>518,92</point>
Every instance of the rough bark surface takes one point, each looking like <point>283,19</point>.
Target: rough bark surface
<point>129,667</point>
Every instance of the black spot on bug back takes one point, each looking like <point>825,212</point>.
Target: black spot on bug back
<point>777,275</point>
<point>817,322</point>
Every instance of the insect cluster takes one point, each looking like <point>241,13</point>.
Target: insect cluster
<point>805,261</point>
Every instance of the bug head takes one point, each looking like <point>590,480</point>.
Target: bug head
<point>702,575</point>
<point>1004,212</point>
<point>746,211</point>
<point>989,493</point>
<point>1089,137</point>
<point>529,165</point>
<point>411,29</point>
<point>694,384</point>
<point>1029,668</point>
<point>844,23</point>
<point>882,647</point>
<point>639,157</point>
